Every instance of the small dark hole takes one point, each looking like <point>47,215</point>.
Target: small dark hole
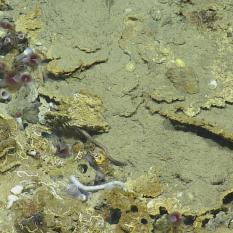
<point>62,150</point>
<point>189,220</point>
<point>114,216</point>
<point>216,211</point>
<point>4,93</point>
<point>45,135</point>
<point>162,210</point>
<point>83,168</point>
<point>25,125</point>
<point>204,222</point>
<point>228,198</point>
<point>37,219</point>
<point>72,228</point>
<point>134,208</point>
<point>144,221</point>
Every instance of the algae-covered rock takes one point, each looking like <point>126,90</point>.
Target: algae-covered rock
<point>23,99</point>
<point>8,144</point>
<point>5,129</point>
<point>81,110</point>
<point>8,129</point>
<point>4,5</point>
<point>30,216</point>
<point>170,204</point>
<point>30,23</point>
<point>191,110</point>
<point>35,142</point>
<point>127,211</point>
<point>165,95</point>
<point>146,185</point>
<point>214,102</point>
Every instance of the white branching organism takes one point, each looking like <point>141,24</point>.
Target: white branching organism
<point>82,190</point>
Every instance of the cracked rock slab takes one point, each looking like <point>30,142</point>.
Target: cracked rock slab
<point>67,59</point>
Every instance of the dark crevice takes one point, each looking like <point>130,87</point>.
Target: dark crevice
<point>228,198</point>
<point>144,221</point>
<point>189,219</point>
<point>202,132</point>
<point>134,208</point>
<point>114,216</point>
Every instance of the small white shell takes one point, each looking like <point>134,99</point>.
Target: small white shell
<point>17,189</point>
<point>4,94</point>
<point>32,153</point>
<point>212,84</point>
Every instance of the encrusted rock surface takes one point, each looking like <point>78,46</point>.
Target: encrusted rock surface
<point>81,110</point>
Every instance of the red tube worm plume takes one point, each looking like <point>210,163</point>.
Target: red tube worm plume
<point>6,24</point>
<point>14,80</point>
<point>25,78</point>
<point>11,80</point>
<point>18,114</point>
<point>62,150</point>
<point>175,220</point>
<point>27,58</point>
<point>31,59</point>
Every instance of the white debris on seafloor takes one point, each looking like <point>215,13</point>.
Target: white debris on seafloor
<point>19,120</point>
<point>10,200</point>
<point>212,84</point>
<point>17,189</point>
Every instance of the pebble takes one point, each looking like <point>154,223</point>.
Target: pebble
<point>17,189</point>
<point>130,67</point>
<point>32,153</point>
<point>27,51</point>
<point>38,43</point>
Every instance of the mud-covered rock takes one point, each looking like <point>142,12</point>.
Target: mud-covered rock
<point>184,79</point>
<point>68,60</point>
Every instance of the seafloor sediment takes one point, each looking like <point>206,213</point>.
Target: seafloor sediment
<point>133,91</point>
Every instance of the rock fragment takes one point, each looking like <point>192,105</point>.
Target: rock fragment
<point>184,79</point>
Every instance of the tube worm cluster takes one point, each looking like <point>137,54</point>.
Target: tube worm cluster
<point>17,74</point>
